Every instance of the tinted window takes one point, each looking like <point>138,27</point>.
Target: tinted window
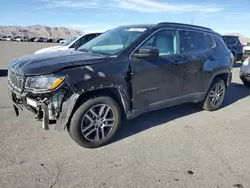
<point>69,41</point>
<point>210,41</point>
<point>237,40</point>
<point>84,39</point>
<point>230,40</point>
<point>90,37</point>
<point>192,41</point>
<point>165,41</point>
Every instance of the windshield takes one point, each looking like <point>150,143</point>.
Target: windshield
<point>113,41</point>
<point>68,41</point>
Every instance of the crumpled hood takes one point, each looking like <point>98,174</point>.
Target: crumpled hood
<point>50,62</point>
<point>53,48</point>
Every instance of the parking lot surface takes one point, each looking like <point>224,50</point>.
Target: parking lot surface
<point>178,147</point>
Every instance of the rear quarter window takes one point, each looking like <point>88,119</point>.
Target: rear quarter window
<point>221,47</point>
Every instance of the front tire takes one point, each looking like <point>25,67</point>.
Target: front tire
<point>215,95</point>
<point>95,122</point>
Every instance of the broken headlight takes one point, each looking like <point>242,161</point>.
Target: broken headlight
<point>43,83</point>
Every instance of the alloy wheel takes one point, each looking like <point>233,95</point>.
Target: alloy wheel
<point>217,94</point>
<point>98,122</point>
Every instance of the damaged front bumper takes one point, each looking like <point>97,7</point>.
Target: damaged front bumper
<point>47,107</point>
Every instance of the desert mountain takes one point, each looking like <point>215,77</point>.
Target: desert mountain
<point>38,31</point>
<point>243,39</point>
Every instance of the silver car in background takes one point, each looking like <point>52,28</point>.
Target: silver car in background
<point>245,72</point>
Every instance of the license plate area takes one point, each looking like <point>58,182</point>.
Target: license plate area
<point>31,102</point>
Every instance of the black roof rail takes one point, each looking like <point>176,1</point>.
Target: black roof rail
<point>231,36</point>
<point>182,24</point>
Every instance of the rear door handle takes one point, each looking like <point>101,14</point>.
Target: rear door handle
<point>177,62</point>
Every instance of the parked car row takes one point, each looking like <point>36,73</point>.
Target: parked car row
<point>72,43</point>
<point>32,39</point>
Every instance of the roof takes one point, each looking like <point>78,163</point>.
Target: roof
<point>139,26</point>
<point>183,25</point>
<point>170,24</point>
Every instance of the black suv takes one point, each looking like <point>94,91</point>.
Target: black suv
<point>128,70</point>
<point>234,45</point>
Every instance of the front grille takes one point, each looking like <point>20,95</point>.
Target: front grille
<point>16,82</point>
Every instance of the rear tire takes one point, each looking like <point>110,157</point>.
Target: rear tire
<point>95,122</point>
<point>215,95</point>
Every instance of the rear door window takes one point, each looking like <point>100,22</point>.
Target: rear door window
<point>193,41</point>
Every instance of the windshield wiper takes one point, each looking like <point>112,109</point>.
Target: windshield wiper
<point>85,50</point>
<point>91,51</point>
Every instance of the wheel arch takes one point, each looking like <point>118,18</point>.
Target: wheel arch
<point>115,92</point>
<point>225,75</point>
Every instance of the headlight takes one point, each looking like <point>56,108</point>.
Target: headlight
<point>246,62</point>
<point>43,83</point>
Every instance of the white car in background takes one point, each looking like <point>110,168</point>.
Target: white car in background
<point>246,51</point>
<point>20,39</point>
<point>6,38</point>
<point>72,43</point>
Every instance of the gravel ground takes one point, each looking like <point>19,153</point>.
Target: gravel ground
<point>178,147</point>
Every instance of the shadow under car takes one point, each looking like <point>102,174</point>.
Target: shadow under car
<point>146,121</point>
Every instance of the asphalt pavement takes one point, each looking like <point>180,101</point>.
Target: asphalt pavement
<point>178,147</point>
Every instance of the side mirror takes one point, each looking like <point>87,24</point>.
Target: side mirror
<point>147,51</point>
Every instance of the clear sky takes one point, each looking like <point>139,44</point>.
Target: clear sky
<point>92,15</point>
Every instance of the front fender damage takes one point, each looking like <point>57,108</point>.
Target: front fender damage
<point>66,110</point>
<point>69,104</point>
